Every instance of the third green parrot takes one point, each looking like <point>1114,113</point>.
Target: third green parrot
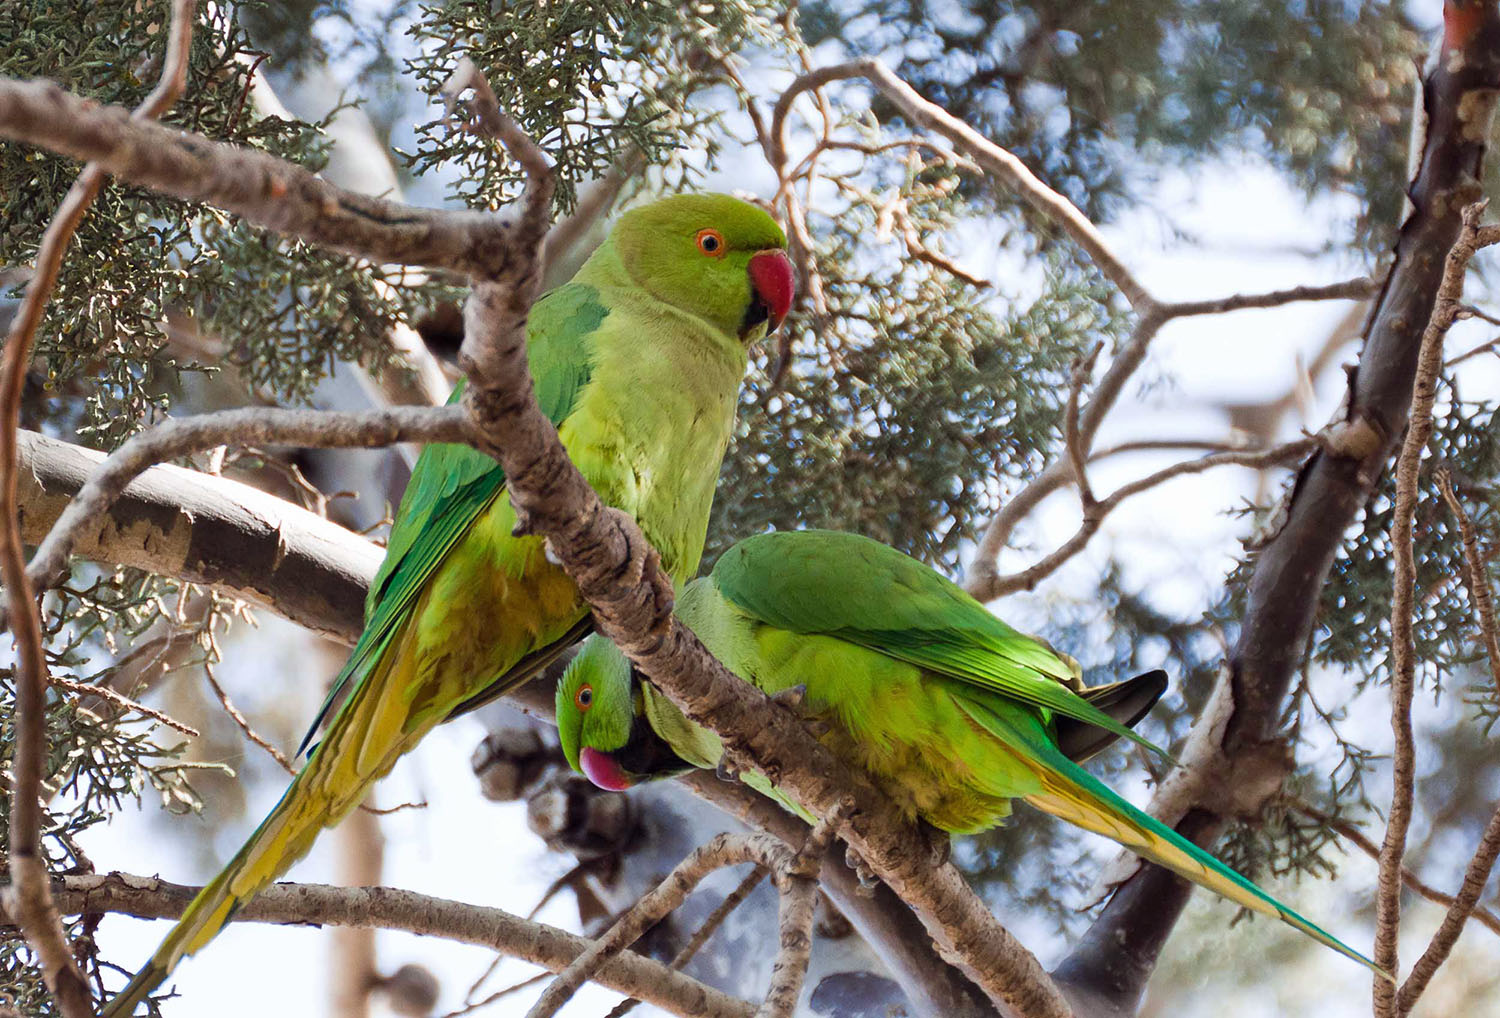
<point>950,711</point>
<point>638,361</point>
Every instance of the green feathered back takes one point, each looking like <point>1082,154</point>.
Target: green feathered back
<point>859,590</point>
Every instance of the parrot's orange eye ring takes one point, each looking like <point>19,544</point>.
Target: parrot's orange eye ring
<point>711,243</point>
<point>584,698</point>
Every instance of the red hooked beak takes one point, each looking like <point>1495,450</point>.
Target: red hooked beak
<point>602,770</point>
<point>774,284</point>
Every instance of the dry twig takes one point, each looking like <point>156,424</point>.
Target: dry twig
<point>1480,595</point>
<point>1403,656</point>
<point>391,909</point>
<point>1096,511</point>
<point>1345,829</point>
<point>700,936</point>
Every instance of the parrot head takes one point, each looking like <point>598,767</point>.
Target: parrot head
<point>713,255</point>
<point>602,723</point>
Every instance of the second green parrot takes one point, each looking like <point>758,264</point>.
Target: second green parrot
<point>948,709</point>
<point>638,361</point>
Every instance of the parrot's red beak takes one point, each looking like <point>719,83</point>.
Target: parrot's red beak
<point>774,284</point>
<point>602,770</point>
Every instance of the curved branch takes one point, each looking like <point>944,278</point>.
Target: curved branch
<point>253,426</point>
<point>1359,288</point>
<point>1096,510</point>
<point>387,908</point>
<point>990,157</point>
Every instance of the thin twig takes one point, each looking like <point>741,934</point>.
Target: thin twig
<point>1029,577</point>
<point>1403,653</point>
<point>499,995</point>
<point>995,160</point>
<point>1344,829</point>
<point>1083,368</point>
<point>29,895</point>
<point>122,701</point>
<point>1493,346</point>
<point>1358,288</point>
<point>700,936</point>
<point>723,850</point>
<point>1476,875</point>
<point>1480,595</point>
<point>242,722</point>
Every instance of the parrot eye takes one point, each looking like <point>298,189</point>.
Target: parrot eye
<point>584,698</point>
<point>711,243</point>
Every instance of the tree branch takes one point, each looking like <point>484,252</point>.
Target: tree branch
<point>253,426</point>
<point>1404,570</point>
<point>1359,288</point>
<point>1480,595</point>
<point>206,529</point>
<point>993,159</point>
<point>29,894</point>
<point>1111,964</point>
<point>391,909</point>
<point>1095,510</point>
<point>262,189</point>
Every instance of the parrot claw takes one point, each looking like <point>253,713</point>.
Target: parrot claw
<point>819,727</point>
<point>862,873</point>
<point>791,697</point>
<point>550,554</point>
<point>939,844</point>
<point>725,770</point>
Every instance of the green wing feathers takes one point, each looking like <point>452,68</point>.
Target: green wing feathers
<point>1072,794</point>
<point>893,604</point>
<point>452,485</point>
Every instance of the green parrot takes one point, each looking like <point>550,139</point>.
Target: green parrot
<point>950,711</point>
<point>638,361</point>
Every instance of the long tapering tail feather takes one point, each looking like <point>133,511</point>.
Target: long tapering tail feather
<point>282,838</point>
<point>372,730</point>
<point>1072,794</point>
